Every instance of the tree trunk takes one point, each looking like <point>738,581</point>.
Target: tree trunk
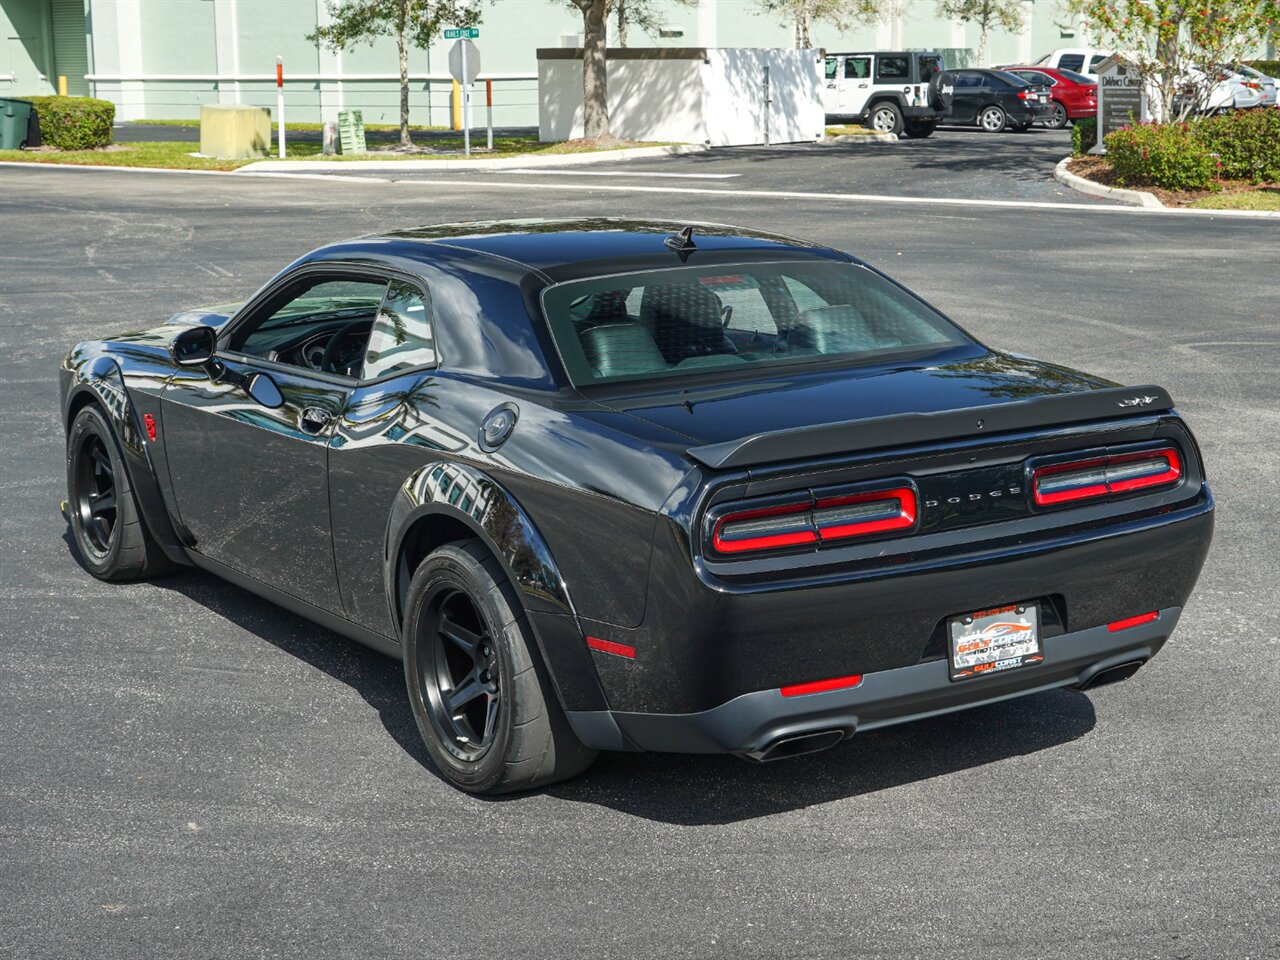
<point>804,17</point>
<point>595,88</point>
<point>622,23</point>
<point>401,26</point>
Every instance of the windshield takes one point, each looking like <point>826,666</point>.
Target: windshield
<point>735,318</point>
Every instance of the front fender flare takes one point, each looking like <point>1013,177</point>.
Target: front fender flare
<point>101,380</point>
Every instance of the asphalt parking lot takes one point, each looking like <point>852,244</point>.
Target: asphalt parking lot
<point>189,772</point>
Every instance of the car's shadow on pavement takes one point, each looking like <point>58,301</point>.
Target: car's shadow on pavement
<point>681,789</point>
<point>692,790</point>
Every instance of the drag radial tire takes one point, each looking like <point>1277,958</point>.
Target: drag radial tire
<point>110,534</point>
<point>476,681</point>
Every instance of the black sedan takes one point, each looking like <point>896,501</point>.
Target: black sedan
<point>613,485</point>
<point>995,100</point>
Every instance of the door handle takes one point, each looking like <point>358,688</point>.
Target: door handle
<point>314,419</point>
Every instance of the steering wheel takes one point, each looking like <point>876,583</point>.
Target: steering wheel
<point>331,348</point>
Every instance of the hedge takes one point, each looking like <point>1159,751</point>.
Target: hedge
<point>1244,145</point>
<point>1084,134</point>
<point>74,123</point>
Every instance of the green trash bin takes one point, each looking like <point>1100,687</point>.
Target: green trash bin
<point>15,121</point>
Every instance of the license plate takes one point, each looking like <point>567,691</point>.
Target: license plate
<point>993,641</point>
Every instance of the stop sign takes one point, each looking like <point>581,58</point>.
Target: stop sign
<point>472,60</point>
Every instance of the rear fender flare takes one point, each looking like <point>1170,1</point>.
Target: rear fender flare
<point>498,520</point>
<point>494,516</point>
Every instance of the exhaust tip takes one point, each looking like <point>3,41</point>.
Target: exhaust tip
<point>1114,674</point>
<point>786,747</point>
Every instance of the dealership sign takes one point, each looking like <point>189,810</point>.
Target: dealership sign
<point>1120,99</point>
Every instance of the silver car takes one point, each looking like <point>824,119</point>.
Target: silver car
<point>1260,81</point>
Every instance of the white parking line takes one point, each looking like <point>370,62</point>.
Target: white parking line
<point>624,173</point>
<point>468,184</point>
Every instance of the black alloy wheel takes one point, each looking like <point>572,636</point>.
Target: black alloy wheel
<point>481,696</point>
<point>109,532</point>
<point>459,674</point>
<point>94,493</point>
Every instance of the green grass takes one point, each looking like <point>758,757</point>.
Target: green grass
<point>313,127</point>
<point>1268,198</point>
<point>849,129</point>
<point>166,154</point>
<point>173,155</point>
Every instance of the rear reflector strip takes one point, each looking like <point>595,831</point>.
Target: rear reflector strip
<point>1103,476</point>
<point>804,522</point>
<point>821,686</point>
<point>1137,621</point>
<point>608,646</point>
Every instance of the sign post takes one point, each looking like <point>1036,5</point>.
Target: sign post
<point>280,103</point>
<point>464,66</point>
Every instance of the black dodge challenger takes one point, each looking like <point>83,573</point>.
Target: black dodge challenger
<point>620,485</point>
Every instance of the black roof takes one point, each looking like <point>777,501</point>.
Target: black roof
<point>559,248</point>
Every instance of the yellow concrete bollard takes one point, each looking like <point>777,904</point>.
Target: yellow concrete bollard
<point>62,86</point>
<point>234,131</point>
<point>457,105</point>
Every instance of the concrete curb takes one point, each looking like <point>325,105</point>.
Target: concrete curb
<point>290,167</point>
<point>863,138</point>
<point>1136,198</point>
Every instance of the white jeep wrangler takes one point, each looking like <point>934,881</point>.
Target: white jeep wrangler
<point>898,92</point>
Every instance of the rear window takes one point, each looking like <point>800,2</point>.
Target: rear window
<point>1071,61</point>
<point>1009,79</point>
<point>719,318</point>
<point>1077,77</point>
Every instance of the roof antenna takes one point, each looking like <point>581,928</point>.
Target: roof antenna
<point>682,242</point>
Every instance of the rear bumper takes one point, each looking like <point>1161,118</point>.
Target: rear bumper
<point>750,723</point>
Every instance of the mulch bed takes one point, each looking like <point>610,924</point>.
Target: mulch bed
<point>1099,170</point>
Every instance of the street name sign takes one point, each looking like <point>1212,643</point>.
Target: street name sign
<point>460,33</point>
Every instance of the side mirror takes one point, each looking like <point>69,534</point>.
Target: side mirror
<point>194,347</point>
<point>263,389</point>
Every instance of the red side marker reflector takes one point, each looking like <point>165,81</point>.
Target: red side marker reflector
<point>821,686</point>
<point>1137,621</point>
<point>608,646</point>
<point>149,422</point>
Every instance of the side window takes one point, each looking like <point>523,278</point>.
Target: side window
<point>1071,61</point>
<point>401,336</point>
<point>969,80</point>
<point>857,68</point>
<point>893,68</point>
<point>320,324</point>
<point>830,66</point>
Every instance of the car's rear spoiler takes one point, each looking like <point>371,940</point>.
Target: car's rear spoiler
<point>851,436</point>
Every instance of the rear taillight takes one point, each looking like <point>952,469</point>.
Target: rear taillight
<point>766,528</point>
<point>1105,476</point>
<point>797,523</point>
<point>862,514</point>
<point>1026,94</point>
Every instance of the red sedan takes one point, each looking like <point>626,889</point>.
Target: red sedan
<point>1074,95</point>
